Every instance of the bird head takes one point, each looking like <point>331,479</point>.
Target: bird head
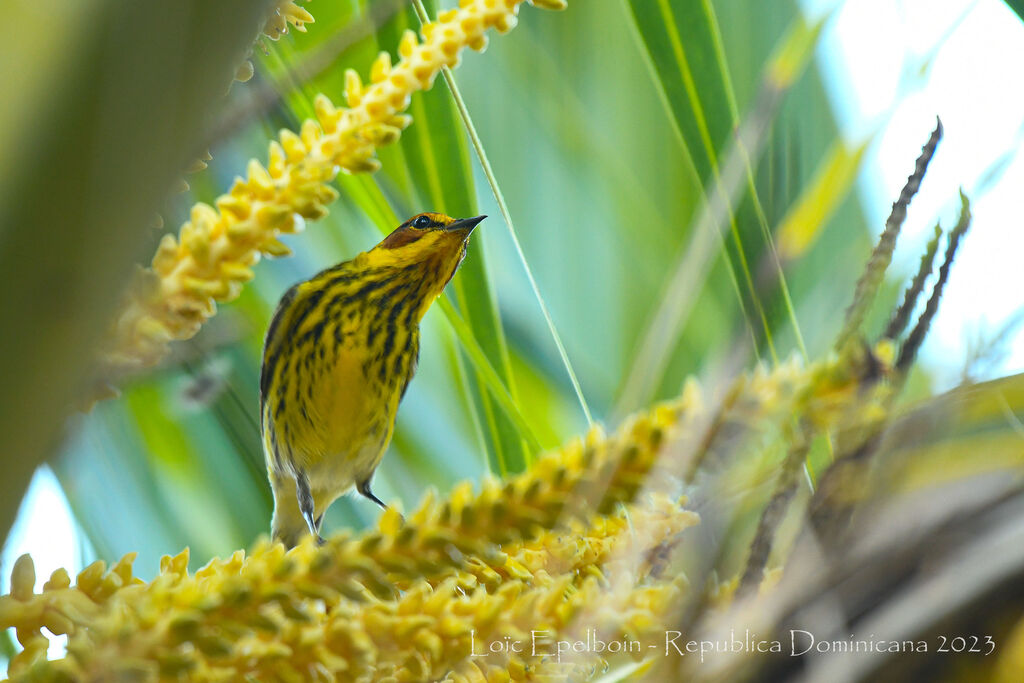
<point>433,243</point>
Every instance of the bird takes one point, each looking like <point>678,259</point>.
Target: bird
<point>339,353</point>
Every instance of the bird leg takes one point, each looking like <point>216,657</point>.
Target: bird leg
<point>305,497</point>
<point>364,488</point>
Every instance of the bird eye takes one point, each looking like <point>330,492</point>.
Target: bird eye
<point>422,222</point>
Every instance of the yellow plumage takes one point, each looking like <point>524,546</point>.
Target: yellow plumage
<point>338,357</point>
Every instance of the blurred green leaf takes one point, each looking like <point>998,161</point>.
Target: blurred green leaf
<point>120,115</point>
<point>681,38</point>
<point>831,184</point>
<point>724,201</point>
<point>684,47</point>
<point>1017,6</point>
<point>181,480</point>
<point>489,376</point>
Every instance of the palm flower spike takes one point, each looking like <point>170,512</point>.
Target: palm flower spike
<point>874,373</point>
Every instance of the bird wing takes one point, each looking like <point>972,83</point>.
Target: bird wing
<point>272,345</point>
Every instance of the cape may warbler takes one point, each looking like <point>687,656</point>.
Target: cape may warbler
<point>337,360</point>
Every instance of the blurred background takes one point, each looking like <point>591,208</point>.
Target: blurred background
<point>592,150</point>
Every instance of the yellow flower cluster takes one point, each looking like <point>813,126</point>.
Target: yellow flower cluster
<point>285,13</point>
<point>215,250</point>
<point>583,540</point>
<point>408,601</point>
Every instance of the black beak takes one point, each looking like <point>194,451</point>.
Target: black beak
<point>465,224</point>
